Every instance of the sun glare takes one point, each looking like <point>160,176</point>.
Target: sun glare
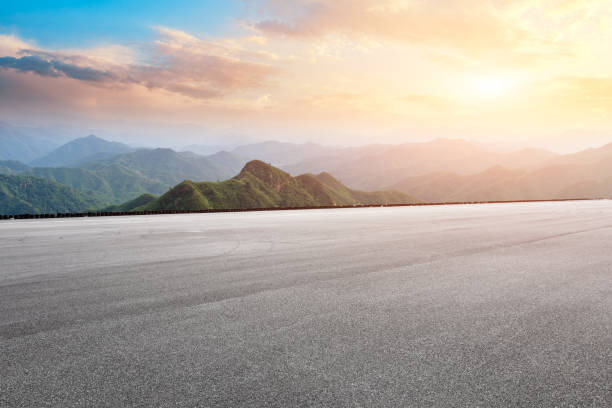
<point>491,87</point>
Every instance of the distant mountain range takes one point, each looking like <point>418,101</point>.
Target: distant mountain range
<point>12,167</point>
<point>17,144</point>
<point>283,154</point>
<point>260,185</point>
<point>586,174</point>
<point>121,177</point>
<point>79,151</point>
<point>170,167</point>
<point>93,173</point>
<point>380,166</point>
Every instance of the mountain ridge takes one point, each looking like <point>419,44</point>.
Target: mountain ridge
<point>261,185</point>
<point>79,150</point>
<point>387,165</point>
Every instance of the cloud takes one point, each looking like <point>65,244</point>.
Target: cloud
<point>518,32</point>
<point>391,62</point>
<point>454,24</point>
<point>193,91</point>
<point>11,45</point>
<point>177,62</point>
<point>587,92</point>
<point>53,68</point>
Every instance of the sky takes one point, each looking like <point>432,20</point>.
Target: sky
<point>520,72</point>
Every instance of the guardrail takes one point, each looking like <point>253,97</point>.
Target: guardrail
<point>165,212</point>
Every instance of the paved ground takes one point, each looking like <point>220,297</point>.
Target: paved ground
<point>457,306</point>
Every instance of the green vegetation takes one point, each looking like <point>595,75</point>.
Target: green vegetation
<point>115,180</point>
<point>169,167</point>
<point>27,194</point>
<point>260,185</point>
<point>355,197</point>
<point>112,184</point>
<point>131,205</point>
<point>12,167</point>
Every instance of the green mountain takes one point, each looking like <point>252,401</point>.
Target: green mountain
<point>260,185</point>
<point>114,180</point>
<point>169,167</point>
<point>12,167</point>
<point>80,150</point>
<point>112,184</point>
<point>27,194</point>
<point>131,205</point>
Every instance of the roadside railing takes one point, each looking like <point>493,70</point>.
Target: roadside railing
<point>166,212</point>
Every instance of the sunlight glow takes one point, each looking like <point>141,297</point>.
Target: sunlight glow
<point>492,87</point>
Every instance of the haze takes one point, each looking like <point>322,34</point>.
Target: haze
<point>341,72</point>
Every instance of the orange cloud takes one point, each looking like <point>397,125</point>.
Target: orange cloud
<point>453,24</point>
<point>178,62</point>
<point>361,66</point>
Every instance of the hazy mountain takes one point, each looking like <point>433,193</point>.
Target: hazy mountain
<point>24,145</point>
<point>387,165</point>
<point>260,185</point>
<point>588,156</point>
<point>207,150</point>
<point>281,154</point>
<point>446,186</point>
<point>586,174</point>
<point>80,150</point>
<point>116,179</point>
<point>12,167</point>
<point>110,184</point>
<point>27,194</point>
<point>169,167</point>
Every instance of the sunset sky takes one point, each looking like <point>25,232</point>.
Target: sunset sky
<point>331,71</point>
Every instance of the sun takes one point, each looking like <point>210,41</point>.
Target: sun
<point>491,87</point>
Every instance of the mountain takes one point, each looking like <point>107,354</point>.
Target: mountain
<point>386,165</point>
<point>139,201</point>
<point>110,184</point>
<point>260,185</point>
<point>80,150</point>
<point>114,180</point>
<point>490,185</point>
<point>206,150</point>
<point>27,194</point>
<point>586,174</point>
<point>24,145</point>
<point>588,156</point>
<point>12,167</point>
<point>169,167</point>
<point>281,154</point>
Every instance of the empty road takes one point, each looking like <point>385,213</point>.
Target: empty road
<point>500,305</point>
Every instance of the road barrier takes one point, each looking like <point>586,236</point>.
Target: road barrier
<point>163,212</point>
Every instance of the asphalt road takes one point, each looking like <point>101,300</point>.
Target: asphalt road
<point>446,306</point>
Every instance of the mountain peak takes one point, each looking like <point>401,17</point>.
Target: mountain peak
<point>80,150</point>
<point>257,167</point>
<point>327,178</point>
<point>266,173</point>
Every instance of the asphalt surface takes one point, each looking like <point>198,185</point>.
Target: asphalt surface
<point>446,306</point>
